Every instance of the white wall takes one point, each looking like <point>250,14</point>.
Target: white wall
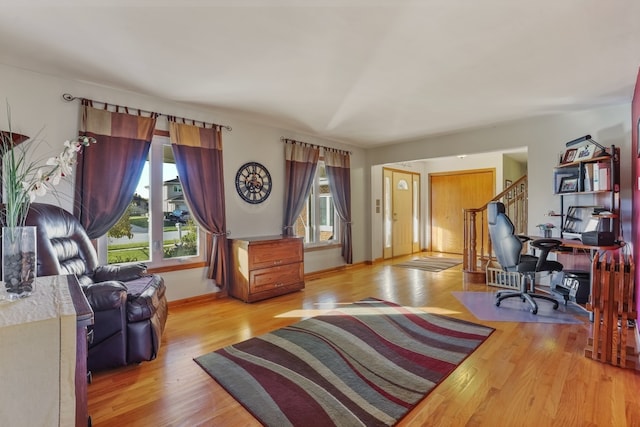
<point>544,138</point>
<point>37,106</point>
<point>492,160</point>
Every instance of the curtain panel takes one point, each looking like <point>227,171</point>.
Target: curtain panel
<point>198,154</point>
<point>338,168</point>
<point>108,174</point>
<point>301,161</point>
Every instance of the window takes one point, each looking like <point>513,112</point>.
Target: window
<point>157,228</point>
<point>318,222</point>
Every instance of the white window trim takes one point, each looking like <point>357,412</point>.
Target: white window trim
<point>156,208</point>
<point>317,243</point>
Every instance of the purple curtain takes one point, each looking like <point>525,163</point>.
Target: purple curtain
<point>198,154</point>
<point>301,161</point>
<point>108,174</point>
<point>338,168</point>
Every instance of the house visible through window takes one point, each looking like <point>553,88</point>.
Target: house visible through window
<point>157,228</point>
<point>318,221</point>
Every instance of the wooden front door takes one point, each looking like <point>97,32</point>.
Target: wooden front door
<point>401,213</point>
<point>451,193</point>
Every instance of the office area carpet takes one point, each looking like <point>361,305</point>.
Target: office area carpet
<point>430,263</point>
<point>367,363</point>
<point>483,306</point>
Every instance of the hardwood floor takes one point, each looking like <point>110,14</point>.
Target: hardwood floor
<point>525,374</point>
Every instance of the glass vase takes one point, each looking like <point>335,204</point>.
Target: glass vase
<point>18,261</point>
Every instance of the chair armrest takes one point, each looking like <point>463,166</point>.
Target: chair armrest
<point>106,295</point>
<point>546,246</point>
<point>120,273</point>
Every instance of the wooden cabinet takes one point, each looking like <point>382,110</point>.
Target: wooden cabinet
<point>264,267</point>
<point>84,321</point>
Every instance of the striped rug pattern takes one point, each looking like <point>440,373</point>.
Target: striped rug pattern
<point>366,363</point>
<point>427,263</point>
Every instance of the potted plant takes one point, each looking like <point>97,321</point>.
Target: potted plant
<point>22,181</point>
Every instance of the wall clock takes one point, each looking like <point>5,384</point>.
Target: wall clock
<point>253,182</point>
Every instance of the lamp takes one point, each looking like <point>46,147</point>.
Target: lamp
<point>585,138</point>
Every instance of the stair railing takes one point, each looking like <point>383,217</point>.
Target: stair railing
<point>477,245</point>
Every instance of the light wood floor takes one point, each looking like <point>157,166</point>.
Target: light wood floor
<point>525,374</point>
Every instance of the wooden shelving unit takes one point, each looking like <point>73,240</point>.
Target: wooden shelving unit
<point>580,175</point>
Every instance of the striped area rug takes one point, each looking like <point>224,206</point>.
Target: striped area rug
<point>430,263</point>
<point>367,363</point>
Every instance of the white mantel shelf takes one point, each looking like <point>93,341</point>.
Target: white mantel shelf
<point>38,356</point>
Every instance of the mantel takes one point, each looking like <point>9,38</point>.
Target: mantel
<point>38,355</point>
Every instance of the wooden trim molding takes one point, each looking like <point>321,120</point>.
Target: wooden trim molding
<point>177,267</point>
<point>213,296</point>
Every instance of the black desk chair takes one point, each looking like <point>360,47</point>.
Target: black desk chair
<point>507,247</point>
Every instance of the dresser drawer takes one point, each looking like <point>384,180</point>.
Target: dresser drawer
<point>265,279</point>
<point>270,254</point>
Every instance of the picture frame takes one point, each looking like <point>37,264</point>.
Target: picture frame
<point>507,184</point>
<point>569,185</point>
<point>569,156</point>
<point>585,152</point>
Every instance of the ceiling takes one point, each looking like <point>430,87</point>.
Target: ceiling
<point>364,72</point>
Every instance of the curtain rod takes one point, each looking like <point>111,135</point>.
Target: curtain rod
<point>283,139</point>
<point>68,97</point>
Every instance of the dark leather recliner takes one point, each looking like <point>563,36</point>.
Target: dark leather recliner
<point>129,305</point>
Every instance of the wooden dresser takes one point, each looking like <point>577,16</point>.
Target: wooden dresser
<point>266,266</point>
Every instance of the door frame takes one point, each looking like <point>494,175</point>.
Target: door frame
<point>387,200</point>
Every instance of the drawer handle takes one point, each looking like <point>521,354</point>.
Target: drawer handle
<point>279,285</point>
<point>278,261</point>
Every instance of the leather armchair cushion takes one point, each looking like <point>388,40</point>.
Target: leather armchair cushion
<point>122,273</point>
<point>106,295</point>
<point>144,297</point>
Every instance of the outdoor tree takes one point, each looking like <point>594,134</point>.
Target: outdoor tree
<point>123,227</point>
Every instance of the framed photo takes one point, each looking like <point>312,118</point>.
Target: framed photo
<point>569,155</point>
<point>507,184</point>
<point>585,152</point>
<point>569,185</point>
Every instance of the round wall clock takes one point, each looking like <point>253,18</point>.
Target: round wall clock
<point>253,182</point>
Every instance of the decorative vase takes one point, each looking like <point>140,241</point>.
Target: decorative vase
<point>18,261</point>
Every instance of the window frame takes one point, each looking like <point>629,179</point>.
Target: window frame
<point>313,203</point>
<point>157,261</point>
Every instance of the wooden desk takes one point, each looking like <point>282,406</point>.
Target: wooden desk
<point>580,255</point>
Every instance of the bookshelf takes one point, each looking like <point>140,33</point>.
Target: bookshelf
<point>591,183</point>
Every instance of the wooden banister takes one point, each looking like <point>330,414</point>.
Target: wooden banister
<point>477,245</point>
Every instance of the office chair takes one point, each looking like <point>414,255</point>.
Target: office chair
<point>507,247</point>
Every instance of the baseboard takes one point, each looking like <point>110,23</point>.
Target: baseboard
<point>198,299</point>
<point>321,273</point>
